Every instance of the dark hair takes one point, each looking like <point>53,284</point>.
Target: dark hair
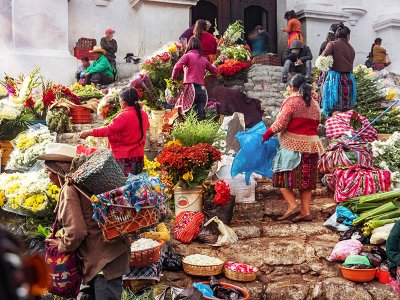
<point>199,28</point>
<point>342,31</point>
<point>194,44</point>
<point>377,41</point>
<point>130,96</point>
<point>85,58</point>
<point>291,14</point>
<point>299,81</point>
<point>332,31</point>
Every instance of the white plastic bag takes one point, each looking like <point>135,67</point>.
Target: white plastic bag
<point>332,224</point>
<point>344,248</point>
<point>381,234</point>
<point>227,235</point>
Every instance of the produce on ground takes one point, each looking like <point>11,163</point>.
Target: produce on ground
<point>202,260</point>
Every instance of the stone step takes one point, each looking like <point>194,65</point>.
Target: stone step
<point>290,268</point>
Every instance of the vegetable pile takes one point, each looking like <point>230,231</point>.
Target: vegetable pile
<point>87,92</point>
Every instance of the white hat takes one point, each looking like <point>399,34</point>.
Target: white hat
<point>58,152</point>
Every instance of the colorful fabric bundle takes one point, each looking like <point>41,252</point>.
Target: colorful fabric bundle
<point>188,225</point>
<point>339,126</point>
<point>140,190</point>
<point>345,153</point>
<point>358,181</point>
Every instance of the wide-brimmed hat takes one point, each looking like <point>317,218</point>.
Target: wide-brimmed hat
<point>98,49</point>
<point>58,152</point>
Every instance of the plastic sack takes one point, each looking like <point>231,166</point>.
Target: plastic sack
<point>180,294</point>
<point>205,289</point>
<point>344,248</point>
<point>254,155</point>
<point>331,223</point>
<point>244,192</point>
<point>353,233</point>
<point>381,234</point>
<point>227,235</point>
<point>172,261</point>
<point>345,216</point>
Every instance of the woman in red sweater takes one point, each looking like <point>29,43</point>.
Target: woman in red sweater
<point>295,164</point>
<point>207,40</point>
<point>126,133</point>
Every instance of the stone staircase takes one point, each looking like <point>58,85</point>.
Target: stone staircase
<point>292,258</point>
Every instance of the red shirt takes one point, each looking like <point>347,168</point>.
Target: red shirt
<point>208,44</point>
<point>124,134</point>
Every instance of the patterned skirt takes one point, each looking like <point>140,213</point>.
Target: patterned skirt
<point>133,165</point>
<point>303,177</point>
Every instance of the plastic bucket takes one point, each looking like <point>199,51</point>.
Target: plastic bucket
<point>188,199</point>
<point>383,276</point>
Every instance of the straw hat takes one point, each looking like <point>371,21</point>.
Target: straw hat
<point>58,152</point>
<point>98,49</point>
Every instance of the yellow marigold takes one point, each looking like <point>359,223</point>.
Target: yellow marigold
<point>172,48</point>
<point>173,142</point>
<point>2,198</point>
<point>391,94</point>
<point>188,176</point>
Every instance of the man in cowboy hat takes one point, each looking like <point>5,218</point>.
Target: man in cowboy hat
<point>100,71</point>
<point>110,45</point>
<point>103,264</point>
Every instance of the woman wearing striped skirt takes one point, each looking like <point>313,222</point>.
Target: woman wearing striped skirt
<point>295,164</point>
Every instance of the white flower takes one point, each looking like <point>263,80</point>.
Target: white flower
<point>324,63</point>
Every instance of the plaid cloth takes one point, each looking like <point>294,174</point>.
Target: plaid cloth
<point>339,127</point>
<point>186,99</point>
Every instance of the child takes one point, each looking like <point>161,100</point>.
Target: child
<point>82,68</point>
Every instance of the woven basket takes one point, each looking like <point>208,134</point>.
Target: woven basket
<point>146,257</point>
<point>202,270</point>
<point>135,285</point>
<point>237,276</point>
<point>122,220</point>
<point>358,275</point>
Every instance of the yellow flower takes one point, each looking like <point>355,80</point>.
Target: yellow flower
<point>188,176</point>
<point>390,94</point>
<point>172,48</point>
<point>2,198</point>
<point>173,143</point>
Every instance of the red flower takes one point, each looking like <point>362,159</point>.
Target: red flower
<point>48,98</point>
<point>29,103</point>
<point>223,193</point>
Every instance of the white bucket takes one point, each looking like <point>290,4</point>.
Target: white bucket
<point>188,199</point>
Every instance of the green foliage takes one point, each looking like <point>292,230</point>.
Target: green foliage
<point>45,232</point>
<point>238,53</point>
<point>158,72</point>
<point>234,32</point>
<point>58,120</point>
<point>129,295</point>
<point>193,132</point>
<point>11,128</point>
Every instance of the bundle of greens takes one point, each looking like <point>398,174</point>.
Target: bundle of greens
<point>375,210</point>
<point>193,132</point>
<point>58,120</point>
<point>87,92</point>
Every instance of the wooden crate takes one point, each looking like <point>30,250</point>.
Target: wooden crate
<point>5,148</point>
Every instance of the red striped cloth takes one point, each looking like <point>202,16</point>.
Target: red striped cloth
<point>186,99</point>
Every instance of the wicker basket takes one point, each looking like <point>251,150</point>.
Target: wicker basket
<point>237,276</point>
<point>202,270</point>
<point>80,115</point>
<point>246,294</point>
<point>358,275</point>
<point>123,220</point>
<point>146,257</point>
<point>135,285</point>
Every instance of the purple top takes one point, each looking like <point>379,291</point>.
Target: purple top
<point>187,34</point>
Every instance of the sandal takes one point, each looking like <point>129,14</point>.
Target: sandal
<point>290,214</point>
<point>306,218</point>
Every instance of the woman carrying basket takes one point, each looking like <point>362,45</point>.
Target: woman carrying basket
<point>103,264</point>
<point>126,133</point>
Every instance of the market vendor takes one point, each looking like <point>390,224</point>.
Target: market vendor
<point>393,250</point>
<point>109,44</point>
<point>295,164</point>
<point>126,133</point>
<point>194,65</point>
<point>103,264</point>
<point>100,71</point>
<point>207,40</point>
<point>339,91</point>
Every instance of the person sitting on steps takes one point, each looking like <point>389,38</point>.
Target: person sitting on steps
<point>100,72</point>
<point>297,58</point>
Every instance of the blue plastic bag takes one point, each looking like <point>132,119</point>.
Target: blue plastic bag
<point>345,214</point>
<point>254,156</point>
<point>205,289</point>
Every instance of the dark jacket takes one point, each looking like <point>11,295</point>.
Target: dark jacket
<point>343,55</point>
<point>304,54</point>
<point>110,46</point>
<point>393,245</point>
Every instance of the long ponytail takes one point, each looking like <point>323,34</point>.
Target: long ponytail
<point>305,90</point>
<point>130,96</point>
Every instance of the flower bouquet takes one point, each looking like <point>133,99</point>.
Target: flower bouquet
<point>232,68</point>
<point>151,167</point>
<point>173,90</point>
<point>27,193</point>
<point>324,63</point>
<point>234,32</point>
<point>238,53</point>
<point>109,104</point>
<point>146,91</point>
<point>188,165</point>
<point>28,146</point>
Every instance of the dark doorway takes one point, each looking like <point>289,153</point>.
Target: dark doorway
<point>253,16</point>
<point>205,10</point>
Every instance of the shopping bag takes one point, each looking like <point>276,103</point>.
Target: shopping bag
<point>388,62</point>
